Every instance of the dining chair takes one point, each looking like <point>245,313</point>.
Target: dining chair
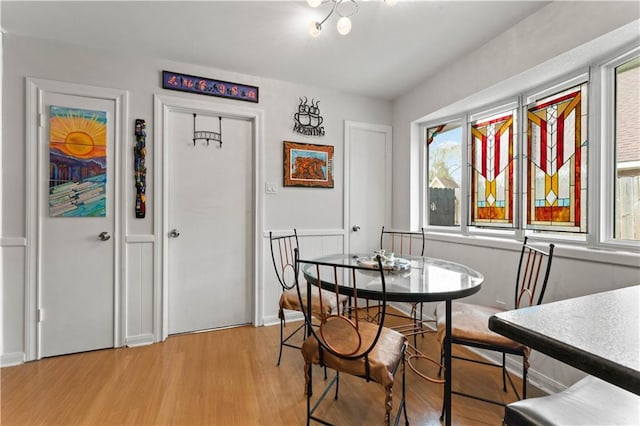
<point>406,243</point>
<point>347,344</point>
<point>469,322</point>
<point>283,257</point>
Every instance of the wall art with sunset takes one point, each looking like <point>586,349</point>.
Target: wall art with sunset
<point>77,162</point>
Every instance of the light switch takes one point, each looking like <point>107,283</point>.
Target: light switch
<point>271,188</point>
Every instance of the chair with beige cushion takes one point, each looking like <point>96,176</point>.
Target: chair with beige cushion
<point>469,322</point>
<point>282,254</point>
<point>350,345</point>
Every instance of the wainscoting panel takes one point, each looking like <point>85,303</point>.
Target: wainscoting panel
<point>13,289</point>
<point>139,288</point>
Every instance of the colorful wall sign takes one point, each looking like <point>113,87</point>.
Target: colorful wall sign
<point>208,86</point>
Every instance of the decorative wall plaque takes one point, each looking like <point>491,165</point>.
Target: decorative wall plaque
<point>208,86</point>
<point>308,120</point>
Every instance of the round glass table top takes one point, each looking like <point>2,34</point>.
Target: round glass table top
<point>424,279</point>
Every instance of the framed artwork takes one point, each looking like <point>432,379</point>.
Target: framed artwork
<point>308,165</point>
<point>77,162</point>
<point>208,86</point>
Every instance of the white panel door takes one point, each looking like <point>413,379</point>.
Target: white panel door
<point>76,276</point>
<point>210,254</point>
<point>369,153</point>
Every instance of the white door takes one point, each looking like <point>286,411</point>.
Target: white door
<point>368,194</point>
<point>210,253</point>
<point>76,215</point>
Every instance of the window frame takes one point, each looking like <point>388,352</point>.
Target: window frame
<point>607,70</point>
<point>424,190</point>
<point>600,128</point>
<point>568,81</point>
<point>478,114</point>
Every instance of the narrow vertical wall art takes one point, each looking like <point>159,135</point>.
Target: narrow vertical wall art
<point>140,170</point>
<point>77,162</point>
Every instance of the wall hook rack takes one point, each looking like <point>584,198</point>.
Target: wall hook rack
<point>205,135</point>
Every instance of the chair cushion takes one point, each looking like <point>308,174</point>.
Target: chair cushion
<point>383,359</point>
<point>289,300</point>
<point>471,323</point>
<point>590,401</point>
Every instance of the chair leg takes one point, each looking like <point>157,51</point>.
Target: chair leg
<point>337,383</point>
<point>418,319</point>
<point>388,404</point>
<point>308,390</point>
<point>414,318</point>
<point>524,380</point>
<point>440,374</point>
<point>281,342</point>
<point>307,379</point>
<point>404,400</point>
<point>504,371</point>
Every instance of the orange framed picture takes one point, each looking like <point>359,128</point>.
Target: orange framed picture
<point>308,165</point>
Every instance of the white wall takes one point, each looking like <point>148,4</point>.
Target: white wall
<point>560,38</point>
<point>141,76</point>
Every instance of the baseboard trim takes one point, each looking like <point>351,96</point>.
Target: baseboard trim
<point>270,320</point>
<point>289,316</point>
<point>11,359</point>
<point>140,340</point>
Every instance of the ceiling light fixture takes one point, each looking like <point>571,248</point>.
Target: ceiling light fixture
<point>343,8</point>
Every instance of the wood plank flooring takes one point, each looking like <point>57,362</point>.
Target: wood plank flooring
<point>223,377</point>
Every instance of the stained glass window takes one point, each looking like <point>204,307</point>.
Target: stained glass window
<point>556,166</point>
<point>444,158</point>
<point>493,170</point>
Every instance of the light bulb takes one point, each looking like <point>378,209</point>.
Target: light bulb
<point>314,29</point>
<point>314,3</point>
<point>390,2</point>
<point>344,25</point>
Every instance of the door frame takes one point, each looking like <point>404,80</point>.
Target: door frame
<point>35,89</point>
<point>387,130</point>
<point>163,105</point>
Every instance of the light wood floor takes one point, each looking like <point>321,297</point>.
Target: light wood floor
<point>224,377</point>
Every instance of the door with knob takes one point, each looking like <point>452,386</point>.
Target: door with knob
<point>369,184</point>
<point>76,257</point>
<point>210,218</point>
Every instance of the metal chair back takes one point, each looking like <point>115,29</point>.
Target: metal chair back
<point>403,242</point>
<point>341,333</point>
<point>283,257</point>
<point>533,275</point>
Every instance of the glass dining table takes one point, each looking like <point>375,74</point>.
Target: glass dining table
<point>420,279</point>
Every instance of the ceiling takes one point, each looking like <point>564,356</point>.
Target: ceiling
<point>389,50</point>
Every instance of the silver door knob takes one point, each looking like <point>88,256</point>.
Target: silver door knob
<point>356,228</point>
<point>104,236</point>
<point>174,233</point>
